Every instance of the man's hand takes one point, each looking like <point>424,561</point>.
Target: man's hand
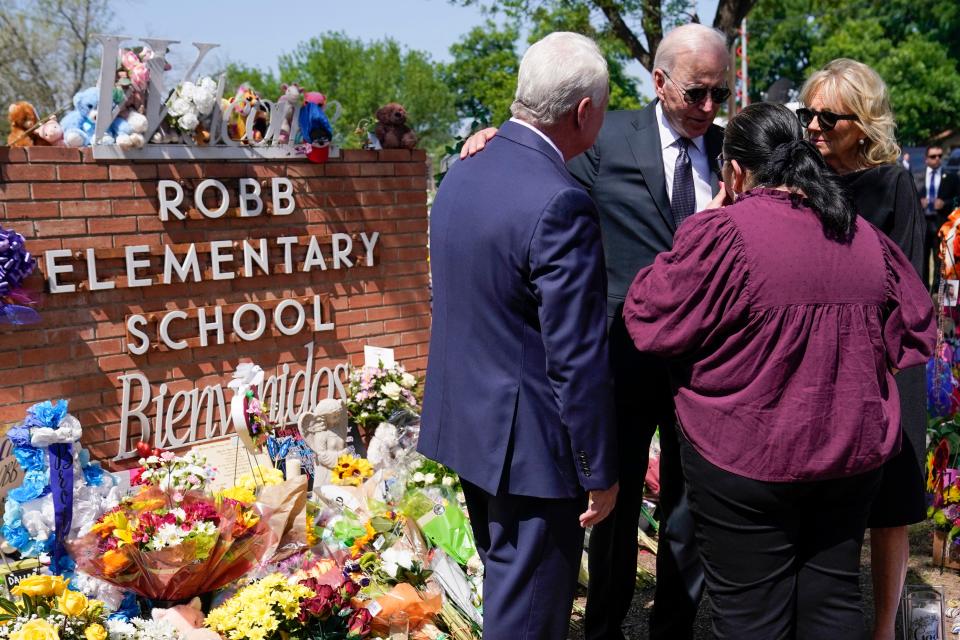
<point>477,142</point>
<point>923,202</point>
<point>938,204</point>
<point>599,506</point>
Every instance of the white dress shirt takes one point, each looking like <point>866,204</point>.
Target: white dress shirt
<point>541,134</point>
<point>698,161</point>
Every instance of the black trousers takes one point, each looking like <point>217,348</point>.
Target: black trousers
<point>644,401</point>
<point>781,560</point>
<point>531,549</point>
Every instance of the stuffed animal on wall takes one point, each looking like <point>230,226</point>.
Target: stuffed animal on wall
<point>291,97</point>
<point>51,132</point>
<point>79,124</point>
<point>315,127</point>
<point>392,130</point>
<point>23,118</point>
<point>237,110</point>
<point>384,448</point>
<point>187,619</point>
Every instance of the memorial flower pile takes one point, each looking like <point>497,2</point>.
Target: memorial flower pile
<point>279,607</point>
<point>378,394</point>
<point>47,610</point>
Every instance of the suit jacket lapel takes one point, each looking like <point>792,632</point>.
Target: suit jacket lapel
<point>645,144</point>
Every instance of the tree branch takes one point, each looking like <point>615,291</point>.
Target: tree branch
<point>729,15</point>
<point>651,28</point>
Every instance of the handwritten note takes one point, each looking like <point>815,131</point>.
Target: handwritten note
<point>231,460</point>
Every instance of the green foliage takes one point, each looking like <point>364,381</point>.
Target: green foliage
<point>575,16</point>
<point>362,77</point>
<point>913,45</point>
<point>483,74</point>
<point>924,83</point>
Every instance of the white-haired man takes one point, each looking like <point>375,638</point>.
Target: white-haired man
<point>518,397</point>
<point>648,171</point>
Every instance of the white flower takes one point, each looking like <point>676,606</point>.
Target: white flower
<point>187,89</point>
<point>204,99</point>
<point>392,390</point>
<point>418,477</point>
<point>408,380</point>
<point>393,559</point>
<point>447,481</point>
<point>189,121</point>
<point>429,478</point>
<point>179,107</point>
<point>168,535</point>
<point>207,84</point>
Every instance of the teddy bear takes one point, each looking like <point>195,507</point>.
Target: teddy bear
<point>79,124</point>
<point>384,448</point>
<point>236,111</point>
<point>392,130</point>
<point>187,619</point>
<point>23,118</point>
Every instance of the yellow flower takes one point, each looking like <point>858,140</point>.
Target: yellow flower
<point>240,494</point>
<point>36,629</point>
<point>95,632</point>
<point>72,603</point>
<point>40,586</point>
<point>351,471</point>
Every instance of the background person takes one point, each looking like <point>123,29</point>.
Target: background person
<point>939,190</point>
<point>783,316</point>
<point>848,117</point>
<point>518,398</point>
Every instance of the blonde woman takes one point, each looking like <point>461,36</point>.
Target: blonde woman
<point>848,117</point>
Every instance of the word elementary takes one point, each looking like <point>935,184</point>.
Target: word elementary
<point>145,266</point>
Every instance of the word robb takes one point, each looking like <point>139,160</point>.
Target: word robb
<point>181,263</point>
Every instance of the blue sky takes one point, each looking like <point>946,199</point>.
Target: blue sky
<point>256,33</point>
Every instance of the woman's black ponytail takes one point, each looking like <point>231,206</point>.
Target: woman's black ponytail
<point>767,139</point>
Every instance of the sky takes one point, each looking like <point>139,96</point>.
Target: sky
<point>256,33</point>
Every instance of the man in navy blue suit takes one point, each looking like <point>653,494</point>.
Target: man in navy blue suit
<point>518,396</point>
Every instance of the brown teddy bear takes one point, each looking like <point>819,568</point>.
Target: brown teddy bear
<point>23,118</point>
<point>392,130</point>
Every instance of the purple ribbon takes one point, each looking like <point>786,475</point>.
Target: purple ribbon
<point>16,264</point>
<point>61,485</point>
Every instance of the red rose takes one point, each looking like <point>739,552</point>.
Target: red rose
<point>359,626</point>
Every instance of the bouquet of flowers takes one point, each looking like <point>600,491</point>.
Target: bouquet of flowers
<point>171,546</point>
<point>47,610</point>
<point>170,472</point>
<point>279,607</point>
<point>351,471</point>
<point>16,264</point>
<point>378,394</point>
<point>190,102</point>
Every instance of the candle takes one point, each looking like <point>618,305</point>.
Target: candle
<point>293,468</point>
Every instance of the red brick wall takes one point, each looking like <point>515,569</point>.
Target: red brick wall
<point>60,198</point>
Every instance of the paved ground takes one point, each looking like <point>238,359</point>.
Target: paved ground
<point>921,571</point>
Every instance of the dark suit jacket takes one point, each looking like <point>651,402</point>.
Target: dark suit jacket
<point>518,393</point>
<point>623,172</point>
<point>949,191</point>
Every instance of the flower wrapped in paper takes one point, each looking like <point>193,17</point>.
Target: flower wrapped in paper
<point>166,549</point>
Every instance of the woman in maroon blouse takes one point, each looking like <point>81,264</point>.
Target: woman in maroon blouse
<point>784,316</point>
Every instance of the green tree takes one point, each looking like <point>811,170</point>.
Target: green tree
<point>639,25</point>
<point>624,93</point>
<point>47,51</point>
<point>924,83</point>
<point>483,74</point>
<point>362,77</point>
<point>909,42</point>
